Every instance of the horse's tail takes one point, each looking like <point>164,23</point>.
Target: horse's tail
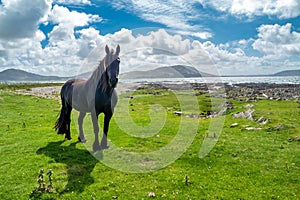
<point>62,124</point>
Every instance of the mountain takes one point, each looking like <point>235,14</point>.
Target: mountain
<point>20,75</point>
<point>176,71</point>
<point>288,73</point>
<point>85,75</point>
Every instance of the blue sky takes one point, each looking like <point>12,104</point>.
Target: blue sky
<point>63,37</point>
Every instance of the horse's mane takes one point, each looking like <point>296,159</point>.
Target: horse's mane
<point>93,81</point>
<point>98,79</point>
<point>97,73</point>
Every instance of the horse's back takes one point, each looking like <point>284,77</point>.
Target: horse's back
<point>70,88</point>
<point>69,84</point>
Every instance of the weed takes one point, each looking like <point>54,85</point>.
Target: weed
<point>43,187</point>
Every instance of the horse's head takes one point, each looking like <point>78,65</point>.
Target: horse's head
<point>112,61</point>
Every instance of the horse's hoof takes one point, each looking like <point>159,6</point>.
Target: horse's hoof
<point>96,148</point>
<point>68,138</point>
<point>104,147</point>
<point>82,140</point>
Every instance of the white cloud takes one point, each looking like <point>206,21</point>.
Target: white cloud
<point>62,15</point>
<point>230,60</point>
<point>73,2</point>
<point>19,34</point>
<point>148,51</point>
<point>160,48</point>
<point>278,40</point>
<point>88,40</point>
<point>71,40</point>
<point>138,52</point>
<point>161,39</point>
<point>21,45</point>
<point>122,36</point>
<point>281,9</point>
<point>65,52</point>
<point>20,18</point>
<point>179,15</point>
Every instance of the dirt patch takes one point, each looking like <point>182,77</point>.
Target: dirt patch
<point>44,92</point>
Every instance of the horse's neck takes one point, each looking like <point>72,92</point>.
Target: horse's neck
<point>104,86</point>
<point>90,87</point>
<point>94,79</point>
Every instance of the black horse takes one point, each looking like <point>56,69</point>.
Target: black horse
<point>95,95</point>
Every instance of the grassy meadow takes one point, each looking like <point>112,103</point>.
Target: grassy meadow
<point>249,161</point>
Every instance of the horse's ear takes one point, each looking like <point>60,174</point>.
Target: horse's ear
<point>118,50</point>
<point>106,49</point>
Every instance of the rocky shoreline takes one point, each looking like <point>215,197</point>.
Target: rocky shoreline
<point>253,91</point>
<point>244,91</point>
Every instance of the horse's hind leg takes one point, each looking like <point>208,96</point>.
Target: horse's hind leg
<point>80,122</point>
<point>68,122</point>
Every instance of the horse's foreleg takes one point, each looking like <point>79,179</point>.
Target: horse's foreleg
<point>107,118</point>
<point>96,146</point>
<point>81,137</point>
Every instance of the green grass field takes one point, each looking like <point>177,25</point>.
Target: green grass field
<point>244,164</point>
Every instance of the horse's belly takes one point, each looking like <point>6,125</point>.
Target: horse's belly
<point>80,104</point>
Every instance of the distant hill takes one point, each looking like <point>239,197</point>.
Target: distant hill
<point>85,75</point>
<point>176,71</point>
<point>20,75</point>
<point>288,73</point>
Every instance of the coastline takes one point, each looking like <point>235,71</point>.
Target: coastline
<point>241,91</point>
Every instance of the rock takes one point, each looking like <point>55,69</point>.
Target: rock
<point>239,115</point>
<point>178,113</point>
<point>244,115</point>
<point>297,138</point>
<point>255,91</point>
<point>248,105</point>
<point>265,96</point>
<point>249,114</point>
<point>234,125</point>
<point>228,105</point>
<point>151,194</point>
<point>262,120</point>
<point>253,129</point>
<point>278,127</point>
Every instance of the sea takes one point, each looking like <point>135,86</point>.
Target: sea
<point>227,80</point>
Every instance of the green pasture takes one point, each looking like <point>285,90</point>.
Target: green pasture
<point>262,162</point>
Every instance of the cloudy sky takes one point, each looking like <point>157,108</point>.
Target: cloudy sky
<point>63,37</point>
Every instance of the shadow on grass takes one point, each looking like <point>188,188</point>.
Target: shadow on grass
<point>79,164</point>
